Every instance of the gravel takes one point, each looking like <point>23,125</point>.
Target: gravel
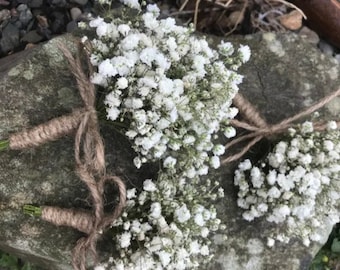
<point>27,22</point>
<point>24,23</point>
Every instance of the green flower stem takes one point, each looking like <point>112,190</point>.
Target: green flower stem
<point>4,144</point>
<point>32,210</point>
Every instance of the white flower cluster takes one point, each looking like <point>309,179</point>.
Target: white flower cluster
<point>169,87</point>
<point>173,93</point>
<point>298,184</point>
<point>166,226</point>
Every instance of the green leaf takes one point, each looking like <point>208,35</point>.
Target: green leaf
<point>27,266</point>
<point>335,245</point>
<point>4,144</point>
<point>9,261</point>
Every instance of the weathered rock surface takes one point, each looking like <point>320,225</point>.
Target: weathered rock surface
<point>284,75</point>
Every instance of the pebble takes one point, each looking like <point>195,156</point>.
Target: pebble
<point>5,14</point>
<point>10,38</point>
<point>32,37</point>
<point>75,13</point>
<point>326,48</point>
<point>309,35</point>
<point>71,26</point>
<point>292,20</point>
<point>58,24</point>
<point>31,21</point>
<point>80,2</point>
<point>35,3</point>
<point>25,15</point>
<point>58,3</point>
<point>25,22</point>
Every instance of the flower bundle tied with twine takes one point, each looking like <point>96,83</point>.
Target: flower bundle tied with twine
<point>259,128</point>
<point>90,166</point>
<point>90,157</point>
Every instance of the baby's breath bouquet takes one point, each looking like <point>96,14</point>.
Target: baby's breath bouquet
<point>296,185</point>
<point>173,90</point>
<point>173,94</point>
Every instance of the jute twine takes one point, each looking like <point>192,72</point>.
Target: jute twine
<point>49,131</point>
<point>259,128</point>
<point>90,166</point>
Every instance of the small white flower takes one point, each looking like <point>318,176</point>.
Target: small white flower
<point>155,210</point>
<point>307,127</point>
<point>245,53</point>
<point>125,239</point>
<point>226,48</point>
<point>124,29</point>
<point>271,177</point>
<point>244,165</point>
<point>195,247</point>
<point>149,186</point>
<point>148,55</point>
<point>155,244</point>
<point>332,125</point>
<point>122,83</point>
<point>169,162</point>
<point>112,113</point>
<point>256,177</point>
<point>270,242</point>
<point>274,192</point>
<point>150,21</point>
<point>220,192</point>
<point>306,242</point>
<point>153,9</point>
<point>189,139</point>
<point>106,69</point>
<point>102,29</point>
<point>199,220</point>
<point>328,145</point>
<point>182,214</point>
<point>204,250</point>
<point>131,193</point>
<point>215,162</point>
<point>96,22</point>
<point>204,232</point>
<point>133,103</point>
<point>218,150</point>
<point>164,257</point>
<point>137,162</point>
<point>306,159</point>
<point>131,3</point>
<point>131,134</point>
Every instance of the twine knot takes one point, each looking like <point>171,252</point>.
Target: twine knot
<point>91,169</point>
<point>259,128</point>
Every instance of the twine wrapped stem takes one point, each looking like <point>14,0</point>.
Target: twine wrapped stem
<point>259,128</point>
<point>82,221</point>
<point>49,131</point>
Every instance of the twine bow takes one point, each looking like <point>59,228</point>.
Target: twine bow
<point>259,128</point>
<point>90,166</point>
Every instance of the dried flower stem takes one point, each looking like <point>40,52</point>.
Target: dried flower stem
<point>4,144</point>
